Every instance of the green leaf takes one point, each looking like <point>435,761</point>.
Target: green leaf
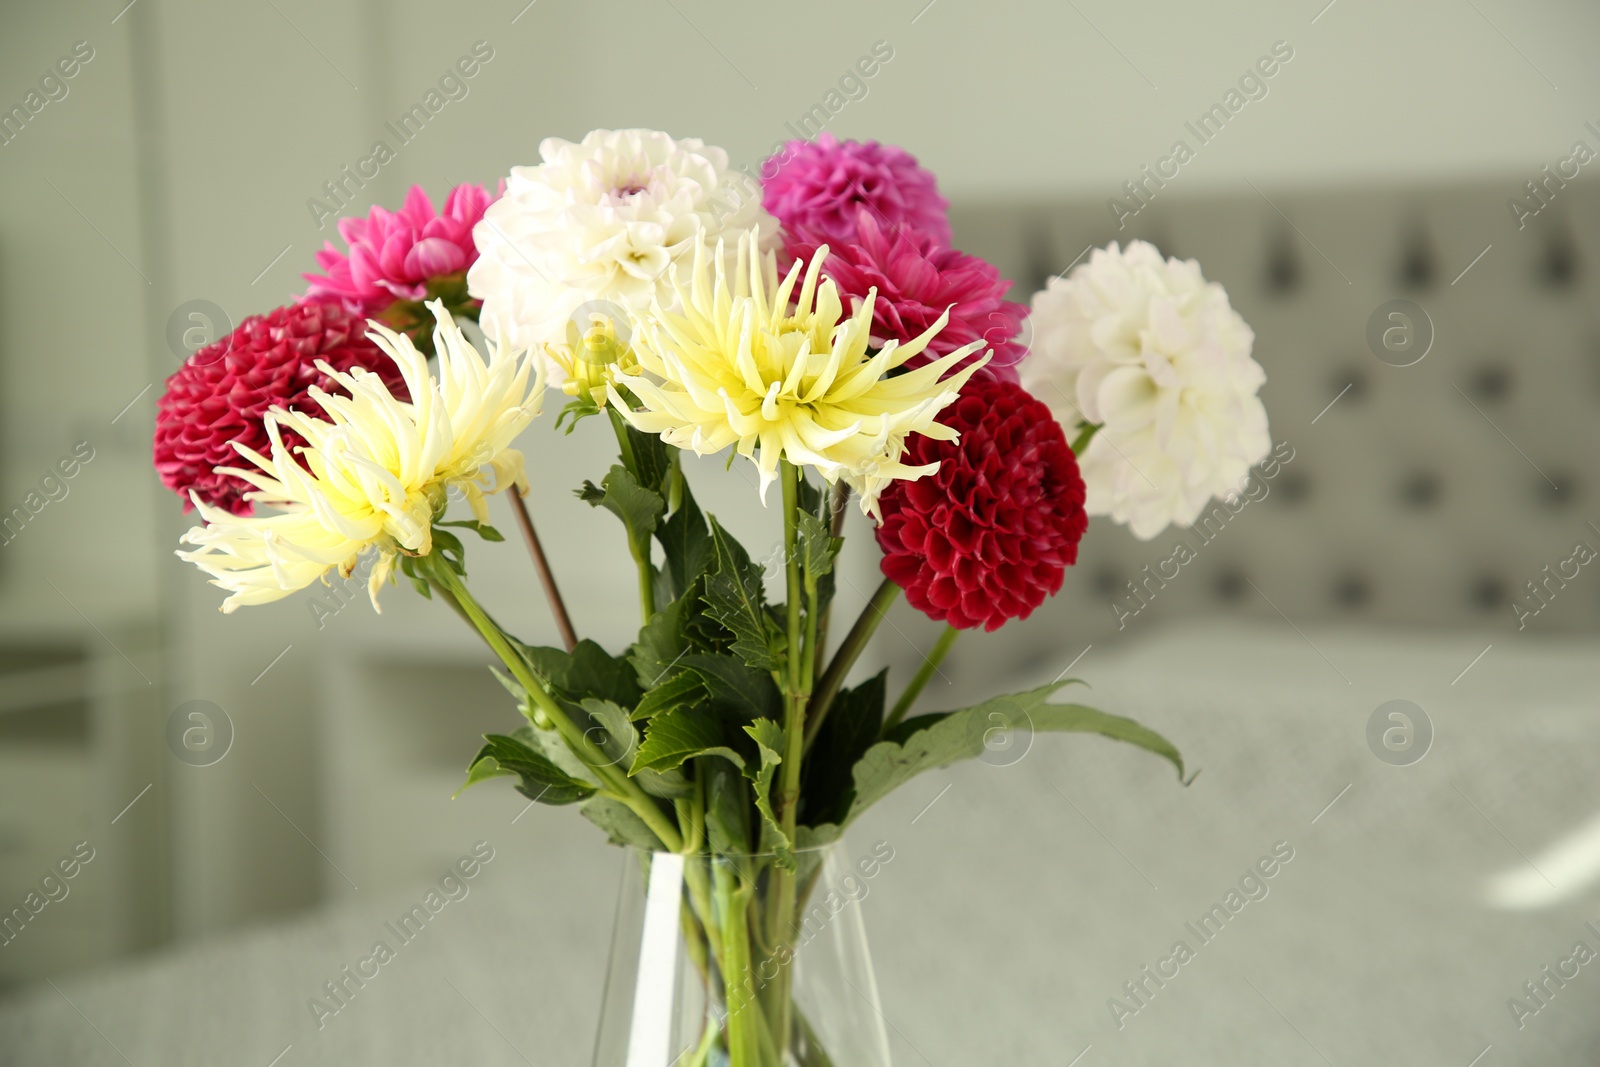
<point>644,455</point>
<point>769,740</point>
<point>734,598</point>
<point>681,734</point>
<point>639,508</point>
<point>447,546</point>
<point>685,543</point>
<point>930,741</point>
<point>662,642</point>
<point>611,732</point>
<point>408,567</point>
<point>621,824</point>
<point>580,408</point>
<point>679,691</point>
<point>736,691</point>
<point>727,807</point>
<point>852,726</point>
<point>813,837</point>
<point>483,529</point>
<point>619,740</point>
<point>587,671</point>
<point>541,779</point>
<point>817,546</point>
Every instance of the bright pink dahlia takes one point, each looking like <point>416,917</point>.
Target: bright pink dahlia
<point>815,188</point>
<point>222,392</point>
<point>989,536</point>
<point>393,255</point>
<point>916,281</point>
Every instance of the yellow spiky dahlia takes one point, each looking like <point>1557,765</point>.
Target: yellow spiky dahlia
<point>738,366</point>
<point>374,474</point>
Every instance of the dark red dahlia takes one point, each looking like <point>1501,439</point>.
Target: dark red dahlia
<point>989,536</point>
<point>223,391</point>
<point>917,279</point>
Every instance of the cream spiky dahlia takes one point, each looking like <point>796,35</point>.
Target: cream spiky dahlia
<point>737,366</point>
<point>603,220</point>
<point>1149,351</point>
<point>376,473</point>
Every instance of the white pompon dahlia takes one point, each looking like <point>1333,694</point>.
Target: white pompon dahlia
<point>374,474</point>
<point>1153,354</point>
<point>604,219</point>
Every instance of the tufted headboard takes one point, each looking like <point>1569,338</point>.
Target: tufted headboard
<point>1432,493</point>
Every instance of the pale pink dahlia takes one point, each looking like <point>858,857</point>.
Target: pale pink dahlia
<point>394,255</point>
<point>815,189</point>
<point>916,282</point>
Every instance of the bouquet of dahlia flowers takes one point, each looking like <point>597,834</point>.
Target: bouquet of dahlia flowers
<point>816,323</point>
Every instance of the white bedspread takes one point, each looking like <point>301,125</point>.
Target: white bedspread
<point>1021,898</point>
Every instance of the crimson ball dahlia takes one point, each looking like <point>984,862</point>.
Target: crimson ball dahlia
<point>222,392</point>
<point>917,280</point>
<point>989,536</point>
<point>815,188</point>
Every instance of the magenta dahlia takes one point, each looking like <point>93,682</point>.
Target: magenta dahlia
<point>223,391</point>
<point>916,281</point>
<point>815,189</point>
<point>990,535</point>
<point>394,255</point>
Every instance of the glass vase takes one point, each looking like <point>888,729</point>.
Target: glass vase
<point>743,961</point>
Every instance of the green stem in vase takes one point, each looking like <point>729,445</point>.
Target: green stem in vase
<point>1085,435</point>
<point>855,642</point>
<point>745,1020</point>
<point>615,781</point>
<point>838,501</point>
<point>930,665</point>
<point>702,1053</point>
<point>801,670</point>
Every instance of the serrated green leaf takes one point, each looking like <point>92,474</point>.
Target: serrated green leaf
<point>613,733</point>
<point>662,642</point>
<point>738,692</point>
<point>680,691</point>
<point>541,779</point>
<point>685,543</point>
<point>483,529</point>
<point>735,599</point>
<point>681,734</point>
<point>638,506</point>
<point>768,736</point>
<point>587,671</point>
<point>938,740</point>
<point>817,546</point>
